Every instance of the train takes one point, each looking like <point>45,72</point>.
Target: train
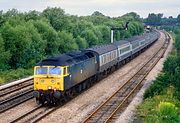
<point>59,78</point>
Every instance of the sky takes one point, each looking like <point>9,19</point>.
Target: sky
<point>111,8</point>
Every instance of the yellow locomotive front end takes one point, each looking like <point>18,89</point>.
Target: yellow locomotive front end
<point>49,82</point>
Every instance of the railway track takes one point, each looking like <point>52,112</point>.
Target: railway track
<point>14,88</point>
<point>15,94</point>
<point>111,109</point>
<point>34,114</point>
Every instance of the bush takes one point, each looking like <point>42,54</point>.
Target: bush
<point>168,113</point>
<point>154,111</point>
<point>11,75</point>
<point>158,86</point>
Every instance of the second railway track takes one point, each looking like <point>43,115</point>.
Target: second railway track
<point>7,90</point>
<point>110,110</point>
<point>15,94</point>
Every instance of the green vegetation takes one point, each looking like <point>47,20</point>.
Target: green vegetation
<point>162,108</point>
<point>169,23</point>
<point>26,38</point>
<point>162,99</point>
<point>10,75</point>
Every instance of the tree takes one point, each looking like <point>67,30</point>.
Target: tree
<point>178,18</point>
<point>66,42</point>
<point>90,37</point>
<point>97,13</point>
<point>154,19</point>
<point>32,15</point>
<point>132,16</point>
<point>23,42</point>
<point>1,18</point>
<point>49,35</point>
<point>177,44</point>
<point>81,42</point>
<point>4,56</point>
<point>105,31</point>
<point>57,18</point>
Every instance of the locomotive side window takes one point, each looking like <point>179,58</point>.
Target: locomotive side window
<point>67,70</point>
<point>64,71</point>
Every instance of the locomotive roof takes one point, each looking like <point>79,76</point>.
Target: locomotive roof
<point>102,48</point>
<point>64,59</point>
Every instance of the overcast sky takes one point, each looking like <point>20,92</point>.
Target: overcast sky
<point>111,8</point>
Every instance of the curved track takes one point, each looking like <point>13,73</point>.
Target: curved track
<point>110,110</point>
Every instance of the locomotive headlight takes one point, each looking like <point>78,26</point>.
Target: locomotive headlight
<point>58,81</point>
<point>49,87</point>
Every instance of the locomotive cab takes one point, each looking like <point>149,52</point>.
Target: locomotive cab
<point>49,80</point>
<point>49,77</point>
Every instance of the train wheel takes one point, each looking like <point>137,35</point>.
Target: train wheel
<point>78,88</point>
<point>84,86</point>
<point>56,101</point>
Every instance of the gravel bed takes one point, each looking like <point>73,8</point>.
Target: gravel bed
<point>15,93</point>
<point>128,116</point>
<point>13,113</point>
<point>77,109</point>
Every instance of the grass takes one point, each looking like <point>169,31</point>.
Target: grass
<point>11,75</point>
<point>160,108</point>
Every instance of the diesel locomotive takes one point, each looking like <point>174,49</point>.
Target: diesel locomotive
<point>58,78</point>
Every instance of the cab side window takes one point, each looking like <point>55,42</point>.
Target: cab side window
<point>67,70</point>
<point>64,71</point>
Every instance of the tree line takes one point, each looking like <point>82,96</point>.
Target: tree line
<point>168,23</point>
<point>28,37</point>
